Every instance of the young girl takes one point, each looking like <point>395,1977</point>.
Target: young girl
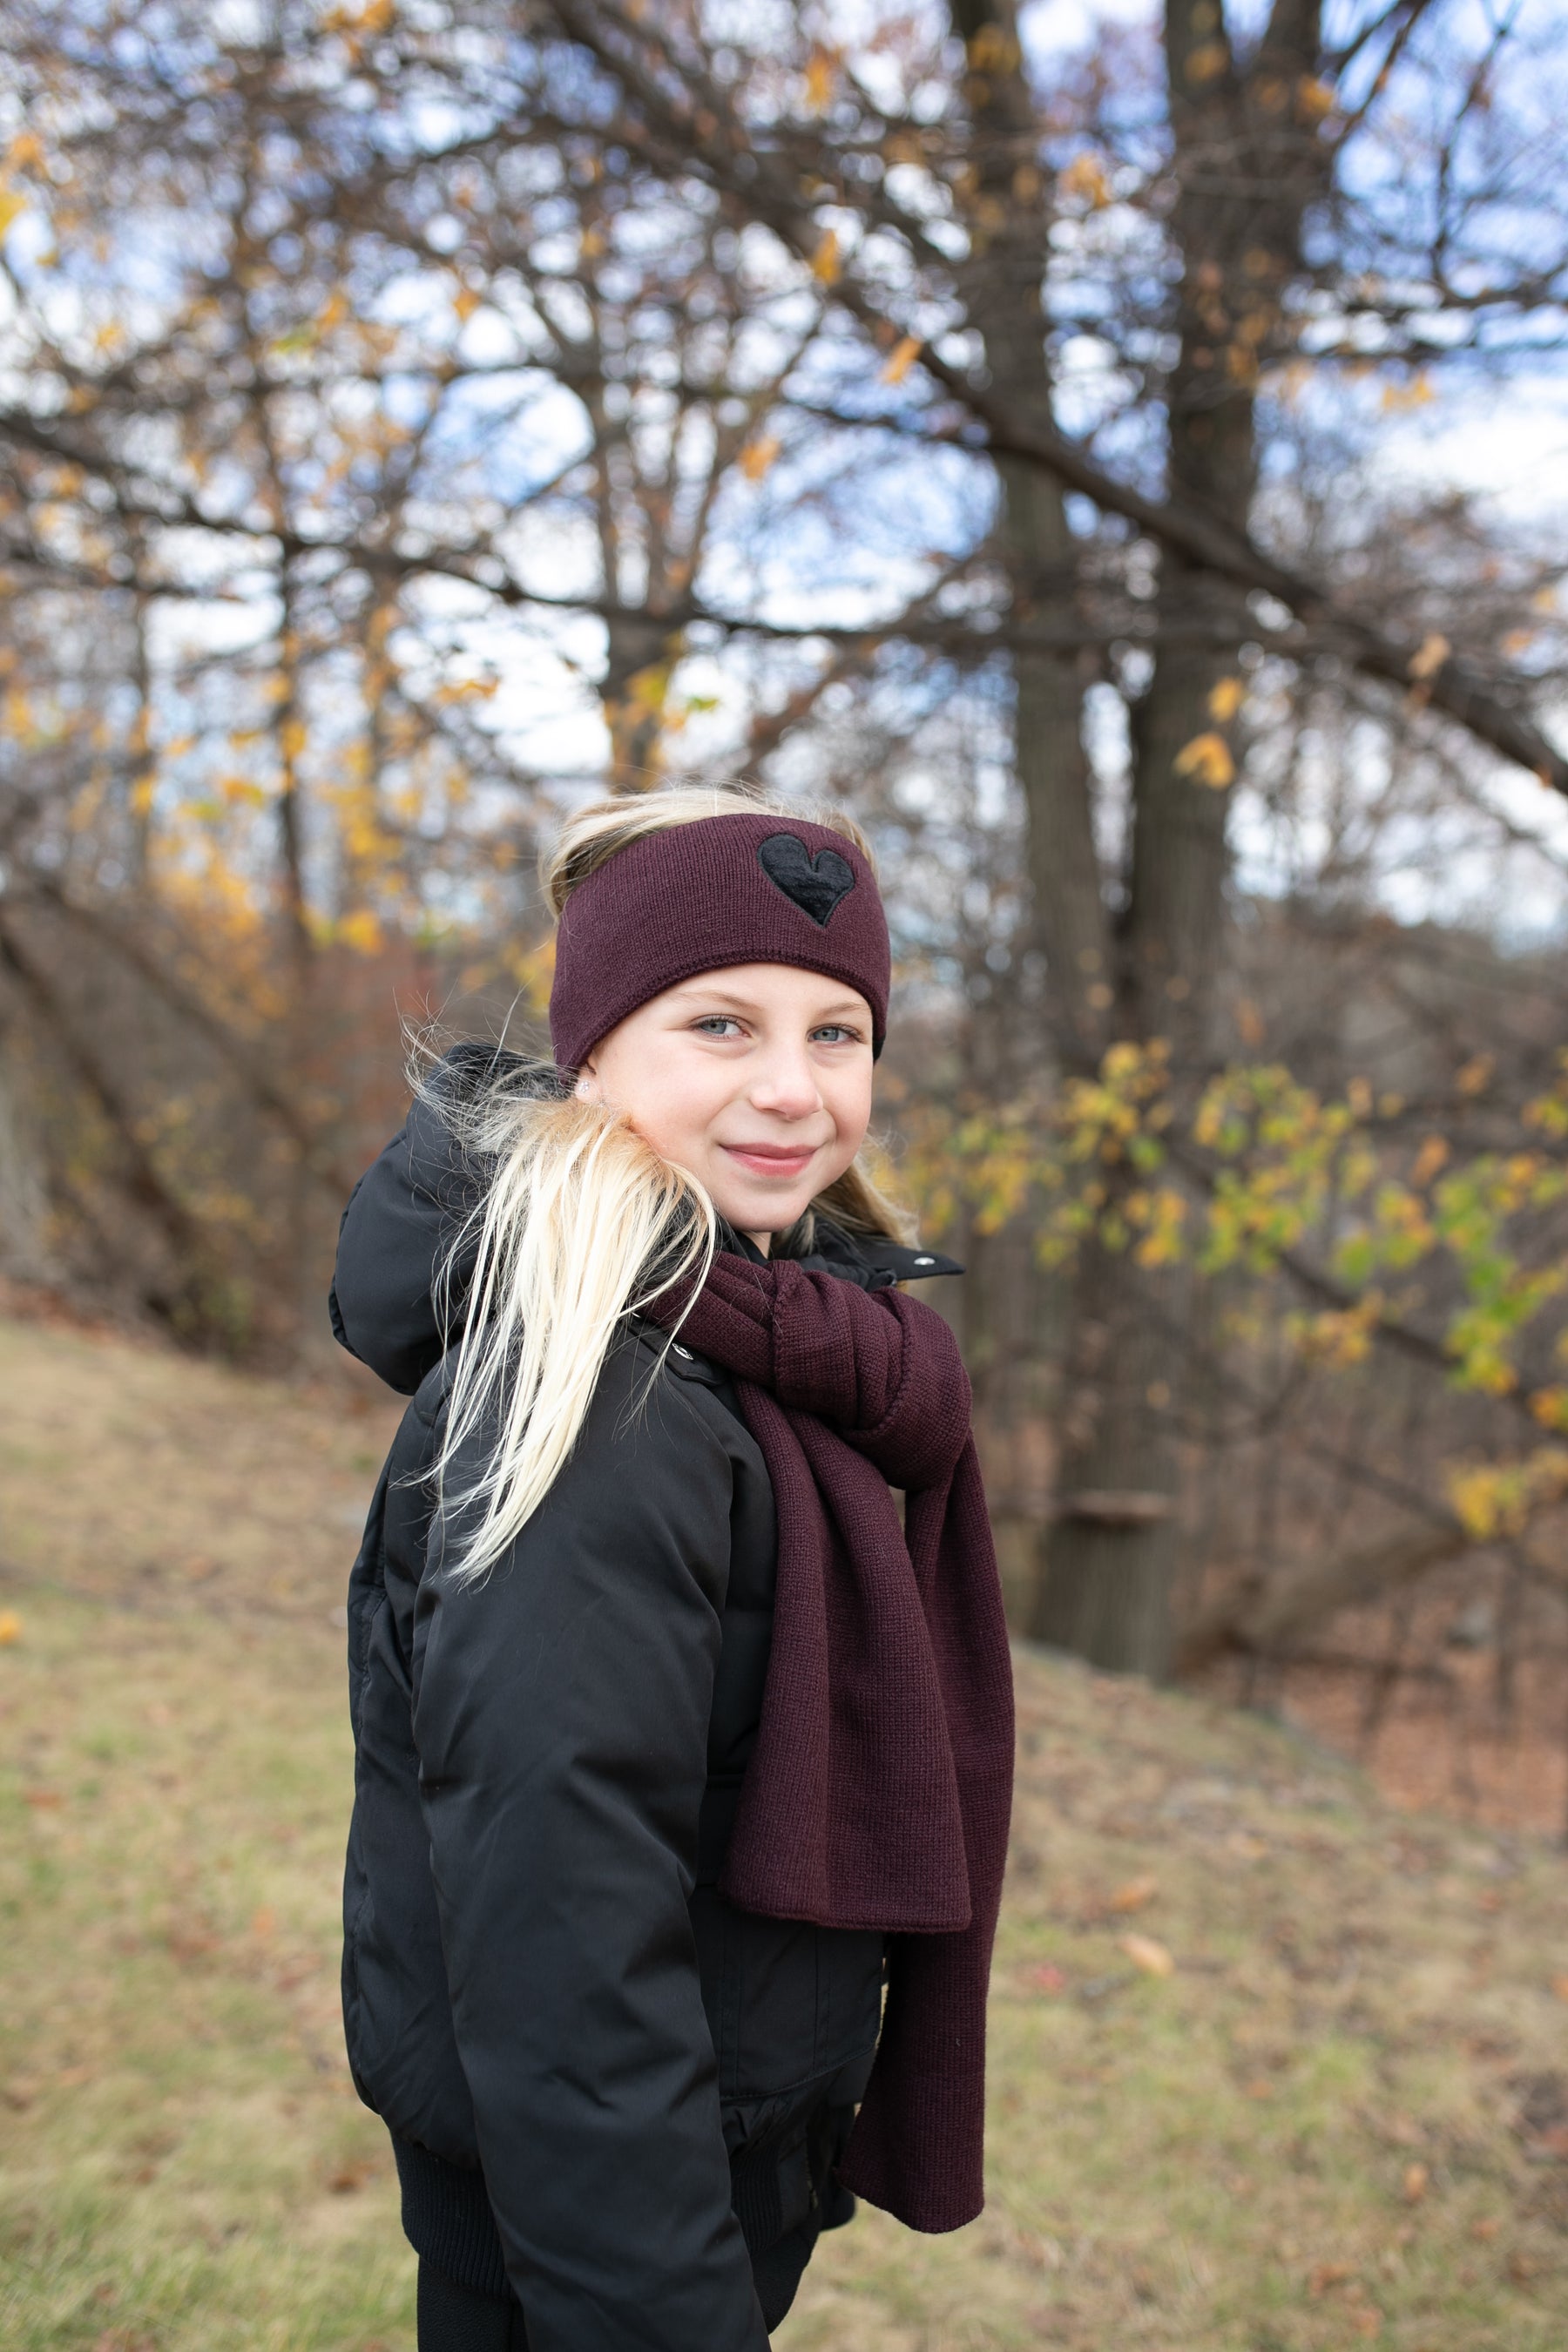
<point>683,1760</point>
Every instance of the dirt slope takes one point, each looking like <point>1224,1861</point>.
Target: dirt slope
<point>1275,2068</point>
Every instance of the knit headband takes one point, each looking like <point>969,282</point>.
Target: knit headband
<point>698,897</point>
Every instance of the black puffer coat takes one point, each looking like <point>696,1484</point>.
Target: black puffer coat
<point>605,2085</point>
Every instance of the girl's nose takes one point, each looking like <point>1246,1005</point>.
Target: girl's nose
<point>786,1084</point>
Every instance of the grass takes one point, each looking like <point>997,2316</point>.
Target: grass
<point>1340,2117</point>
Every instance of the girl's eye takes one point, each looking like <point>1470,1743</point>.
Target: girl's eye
<point>835,1033</point>
<point>719,1024</point>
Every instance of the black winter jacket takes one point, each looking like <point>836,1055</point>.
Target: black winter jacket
<point>606,2086</point>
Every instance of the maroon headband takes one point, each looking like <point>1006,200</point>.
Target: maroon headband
<point>695,898</point>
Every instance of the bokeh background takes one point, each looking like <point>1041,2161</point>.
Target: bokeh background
<point>1120,453</point>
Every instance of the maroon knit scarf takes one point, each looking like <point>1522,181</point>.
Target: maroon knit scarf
<point>879,1792</point>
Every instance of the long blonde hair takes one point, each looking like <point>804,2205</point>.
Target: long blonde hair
<point>580,1225</point>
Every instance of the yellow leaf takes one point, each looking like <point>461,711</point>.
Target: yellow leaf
<point>1433,653</point>
<point>1417,393</point>
<point>1209,58</point>
<point>359,931</point>
<point>1550,1407</point>
<point>465,301</point>
<point>11,203</point>
<point>1226,698</point>
<point>10,1628</point>
<point>826,262</point>
<point>292,738</point>
<point>994,51</point>
<point>1207,760</point>
<point>1432,1156</point>
<point>901,359</point>
<point>1146,1952</point>
<point>821,74</point>
<point>1085,179</point>
<point>535,969</point>
<point>757,456</point>
<point>1314,100</point>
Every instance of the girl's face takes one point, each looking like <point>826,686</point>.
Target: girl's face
<point>755,1079</point>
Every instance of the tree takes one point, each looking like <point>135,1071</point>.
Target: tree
<point>514,399</point>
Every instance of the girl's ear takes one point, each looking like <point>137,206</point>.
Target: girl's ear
<point>587,1089</point>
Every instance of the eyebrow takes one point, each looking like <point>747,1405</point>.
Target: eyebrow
<point>694,990</point>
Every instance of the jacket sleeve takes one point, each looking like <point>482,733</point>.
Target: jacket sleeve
<point>561,1717</point>
<point>402,1221</point>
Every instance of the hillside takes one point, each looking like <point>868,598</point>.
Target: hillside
<point>1275,2068</point>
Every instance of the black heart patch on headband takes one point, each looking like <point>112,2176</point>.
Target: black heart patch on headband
<point>816,884</point>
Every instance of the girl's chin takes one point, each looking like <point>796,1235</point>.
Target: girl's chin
<point>765,1209</point>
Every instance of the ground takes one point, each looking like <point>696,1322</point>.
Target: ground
<point>1276,2067</point>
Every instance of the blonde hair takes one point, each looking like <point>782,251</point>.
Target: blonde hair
<point>581,1224</point>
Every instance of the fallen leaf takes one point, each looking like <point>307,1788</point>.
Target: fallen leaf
<point>1049,1979</point>
<point>1324,2276</point>
<point>1415,2179</point>
<point>192,1943</point>
<point>265,1922</point>
<point>10,1628</point>
<point>43,1800</point>
<point>1134,1895</point>
<point>1145,1952</point>
<point>1488,2227</point>
<point>1559,1986</point>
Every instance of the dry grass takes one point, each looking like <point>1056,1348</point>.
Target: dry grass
<point>1342,2118</point>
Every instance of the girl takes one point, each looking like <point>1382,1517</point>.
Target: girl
<point>683,1762</point>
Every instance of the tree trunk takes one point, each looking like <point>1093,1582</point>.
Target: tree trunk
<point>1008,222</point>
<point>1246,160</point>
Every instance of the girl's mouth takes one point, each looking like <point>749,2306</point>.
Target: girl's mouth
<point>779,1161</point>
